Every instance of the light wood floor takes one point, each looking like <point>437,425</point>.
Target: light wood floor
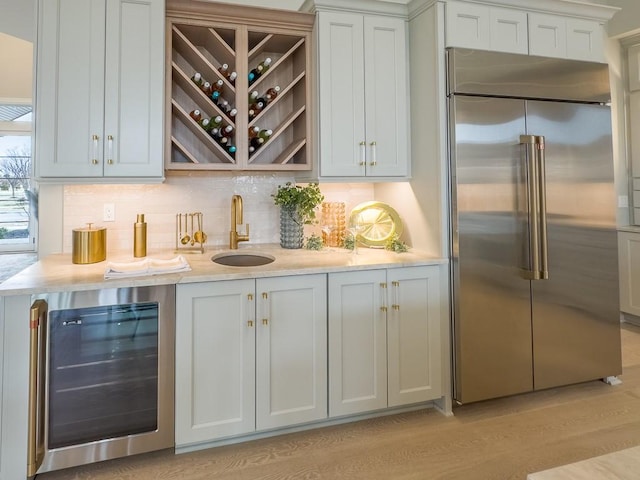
<point>497,439</point>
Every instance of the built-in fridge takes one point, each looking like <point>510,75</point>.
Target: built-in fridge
<point>533,224</point>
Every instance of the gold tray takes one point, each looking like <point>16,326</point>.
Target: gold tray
<point>379,222</point>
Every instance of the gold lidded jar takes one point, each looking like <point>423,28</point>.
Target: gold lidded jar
<point>89,244</point>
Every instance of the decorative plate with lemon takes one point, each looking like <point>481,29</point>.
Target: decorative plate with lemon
<point>375,223</point>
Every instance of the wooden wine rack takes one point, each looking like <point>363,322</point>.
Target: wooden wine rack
<point>201,36</point>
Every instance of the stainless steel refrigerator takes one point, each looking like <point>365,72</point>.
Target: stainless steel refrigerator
<point>533,219</point>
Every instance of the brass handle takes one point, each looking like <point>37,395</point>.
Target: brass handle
<point>36,406</point>
<point>363,153</point>
<point>265,321</point>
<point>250,309</point>
<point>264,295</point>
<point>250,323</point>
<point>396,301</point>
<point>110,149</point>
<point>95,139</point>
<point>374,162</point>
<point>250,296</point>
<point>383,296</point>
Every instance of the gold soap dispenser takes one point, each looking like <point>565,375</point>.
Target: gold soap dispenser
<point>140,237</point>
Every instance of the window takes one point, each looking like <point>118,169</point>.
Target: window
<point>17,205</point>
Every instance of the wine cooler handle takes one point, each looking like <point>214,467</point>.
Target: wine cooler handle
<point>373,154</point>
<point>37,372</point>
<point>363,153</point>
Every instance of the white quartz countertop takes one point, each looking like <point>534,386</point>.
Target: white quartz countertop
<point>57,273</point>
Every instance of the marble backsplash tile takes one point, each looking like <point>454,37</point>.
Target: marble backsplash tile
<point>210,195</point>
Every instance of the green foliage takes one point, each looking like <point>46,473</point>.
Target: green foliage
<point>394,244</point>
<point>3,232</point>
<point>304,199</point>
<point>349,242</point>
<point>314,242</point>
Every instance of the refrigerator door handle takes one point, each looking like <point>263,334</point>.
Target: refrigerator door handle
<point>542,204</point>
<point>531,163</point>
<point>37,348</point>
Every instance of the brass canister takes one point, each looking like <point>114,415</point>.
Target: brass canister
<point>89,244</point>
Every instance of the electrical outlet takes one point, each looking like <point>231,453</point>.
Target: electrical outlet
<point>109,212</point>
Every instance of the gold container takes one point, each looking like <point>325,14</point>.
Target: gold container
<point>89,244</point>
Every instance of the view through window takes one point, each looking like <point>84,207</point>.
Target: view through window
<point>17,202</point>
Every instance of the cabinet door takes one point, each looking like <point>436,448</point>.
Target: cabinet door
<point>70,88</point>
<point>413,330</point>
<point>467,25</point>
<point>585,40</point>
<point>386,97</point>
<point>508,30</point>
<point>357,342</point>
<point>341,94</point>
<point>547,35</point>
<point>629,254</point>
<point>134,89</point>
<point>291,350</point>
<point>215,360</point>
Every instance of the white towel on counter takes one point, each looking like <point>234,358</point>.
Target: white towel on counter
<point>147,266</point>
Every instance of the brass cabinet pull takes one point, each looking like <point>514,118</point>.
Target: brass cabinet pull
<point>396,301</point>
<point>251,309</point>
<point>95,139</point>
<point>374,162</point>
<point>250,323</point>
<point>363,153</point>
<point>110,149</point>
<point>265,321</point>
<point>383,296</point>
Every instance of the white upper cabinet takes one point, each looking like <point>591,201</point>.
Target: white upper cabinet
<point>520,30</point>
<point>486,28</point>
<point>363,95</point>
<point>100,89</point>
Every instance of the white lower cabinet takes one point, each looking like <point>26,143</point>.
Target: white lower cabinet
<point>250,355</point>
<point>629,259</point>
<point>384,339</point>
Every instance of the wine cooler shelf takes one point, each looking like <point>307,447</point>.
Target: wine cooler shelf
<point>238,93</point>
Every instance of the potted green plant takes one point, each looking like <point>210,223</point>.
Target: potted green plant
<point>297,209</point>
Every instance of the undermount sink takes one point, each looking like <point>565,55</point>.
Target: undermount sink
<point>242,259</point>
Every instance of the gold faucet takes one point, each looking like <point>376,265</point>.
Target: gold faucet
<point>236,218</point>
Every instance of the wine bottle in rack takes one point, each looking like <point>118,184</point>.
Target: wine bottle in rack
<point>224,69</point>
<point>265,64</point>
<point>253,131</point>
<point>231,149</point>
<point>232,78</point>
<point>205,123</point>
<point>256,142</point>
<point>272,93</point>
<point>265,134</point>
<point>206,88</point>
<point>232,114</point>
<point>217,87</point>
<point>253,96</point>
<point>197,79</point>
<point>216,121</point>
<point>196,115</point>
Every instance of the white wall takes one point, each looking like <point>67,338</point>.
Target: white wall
<point>627,20</point>
<point>16,59</point>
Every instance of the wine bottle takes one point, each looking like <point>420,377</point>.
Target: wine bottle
<point>224,105</point>
<point>272,93</point>
<point>206,88</point>
<point>224,69</point>
<point>232,77</point>
<point>253,96</point>
<point>256,142</point>
<point>252,114</point>
<point>196,115</point>
<point>253,132</point>
<point>265,64</point>
<point>216,121</point>
<point>226,131</point>
<point>217,87</point>
<point>206,124</point>
<point>232,113</point>
<point>231,149</point>
<point>215,96</point>
<point>197,79</point>
<point>265,134</point>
